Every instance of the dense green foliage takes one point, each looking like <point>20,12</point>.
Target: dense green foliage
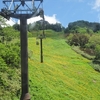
<point>16,27</point>
<point>78,39</point>
<point>9,63</point>
<point>82,27</point>
<point>10,54</point>
<point>9,71</point>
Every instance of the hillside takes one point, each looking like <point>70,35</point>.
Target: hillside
<point>64,75</point>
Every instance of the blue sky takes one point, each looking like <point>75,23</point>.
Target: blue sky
<point>66,11</point>
<point>72,10</point>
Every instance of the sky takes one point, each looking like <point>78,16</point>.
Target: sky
<point>66,11</point>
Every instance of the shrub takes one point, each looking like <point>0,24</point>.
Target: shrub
<point>93,41</point>
<point>96,67</point>
<point>83,39</point>
<point>10,54</point>
<point>97,55</point>
<point>78,39</point>
<point>3,65</point>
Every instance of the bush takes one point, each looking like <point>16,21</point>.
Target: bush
<point>10,32</point>
<point>78,39</point>
<point>96,67</point>
<point>3,65</point>
<point>97,52</point>
<point>10,54</point>
<point>93,41</point>
<point>83,39</point>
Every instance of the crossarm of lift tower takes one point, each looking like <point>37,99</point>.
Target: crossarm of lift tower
<point>20,0</point>
<point>14,9</point>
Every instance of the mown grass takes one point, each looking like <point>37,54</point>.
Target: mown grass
<point>64,75</point>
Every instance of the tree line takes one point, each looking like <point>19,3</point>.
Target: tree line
<point>82,26</point>
<point>40,25</point>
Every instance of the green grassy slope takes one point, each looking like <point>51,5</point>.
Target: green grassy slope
<point>64,75</point>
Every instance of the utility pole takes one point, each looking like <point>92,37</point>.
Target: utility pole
<point>13,10</point>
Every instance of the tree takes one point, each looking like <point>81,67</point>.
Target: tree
<point>10,32</point>
<point>16,27</point>
<point>39,26</point>
<point>93,41</point>
<point>97,27</point>
<point>97,52</point>
<point>82,26</point>
<point>83,39</point>
<point>10,54</point>
<point>78,39</point>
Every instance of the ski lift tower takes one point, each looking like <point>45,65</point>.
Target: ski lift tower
<point>23,10</point>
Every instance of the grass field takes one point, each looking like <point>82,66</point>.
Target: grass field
<point>64,75</point>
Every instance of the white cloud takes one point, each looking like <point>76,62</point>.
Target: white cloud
<point>51,19</point>
<point>96,5</point>
<point>34,19</point>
